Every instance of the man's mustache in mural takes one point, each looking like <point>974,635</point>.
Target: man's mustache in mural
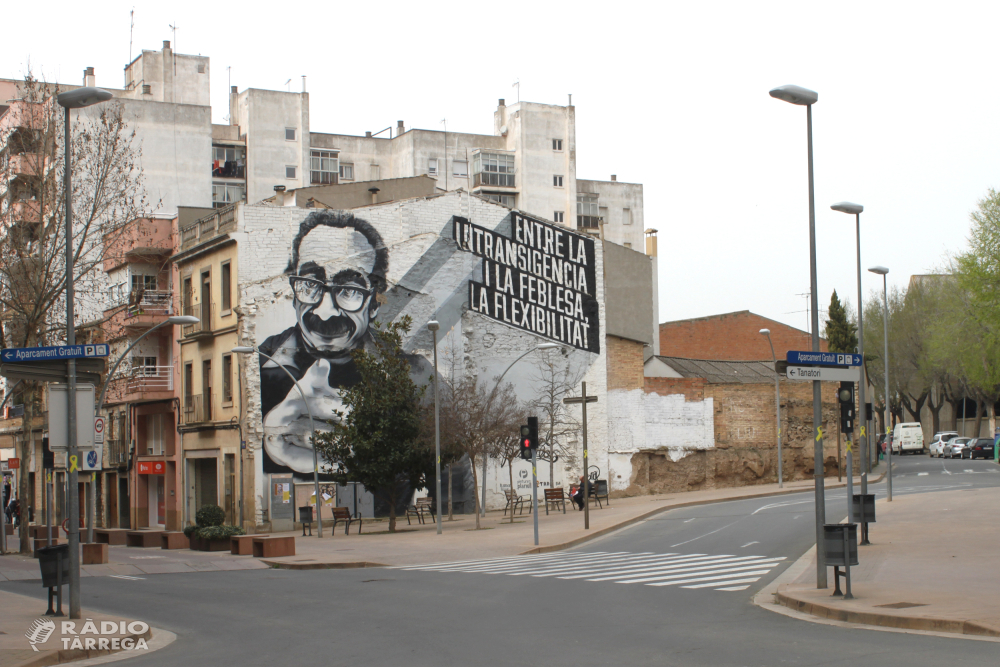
<point>335,327</point>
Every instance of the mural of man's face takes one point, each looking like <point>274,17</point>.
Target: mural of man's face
<point>333,311</point>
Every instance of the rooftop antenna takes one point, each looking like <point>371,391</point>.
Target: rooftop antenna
<point>131,27</point>
<point>517,84</point>
<point>173,30</point>
<point>806,295</point>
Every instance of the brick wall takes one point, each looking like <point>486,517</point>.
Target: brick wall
<point>731,337</point>
<point>624,363</point>
<point>692,388</point>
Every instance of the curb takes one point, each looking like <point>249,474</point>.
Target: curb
<point>694,503</point>
<point>75,655</point>
<point>279,565</point>
<point>877,619</point>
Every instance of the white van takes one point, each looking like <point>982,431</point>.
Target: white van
<point>908,437</point>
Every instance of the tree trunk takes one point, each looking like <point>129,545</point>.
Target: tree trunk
<point>392,512</point>
<point>552,449</point>
<point>979,418</point>
<point>991,410</point>
<point>475,488</point>
<point>22,476</point>
<point>451,517</point>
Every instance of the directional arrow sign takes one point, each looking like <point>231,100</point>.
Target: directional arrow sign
<point>53,353</point>
<point>800,358</point>
<point>810,373</point>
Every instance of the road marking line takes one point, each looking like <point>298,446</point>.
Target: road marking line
<point>738,581</point>
<point>736,568</point>
<point>125,576</point>
<point>749,543</point>
<point>734,588</point>
<point>672,546</point>
<point>710,561</point>
<point>689,521</point>
<point>922,474</point>
<point>721,579</point>
<point>699,568</point>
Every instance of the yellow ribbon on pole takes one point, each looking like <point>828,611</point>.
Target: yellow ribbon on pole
<point>74,463</point>
<point>819,433</point>
<point>862,431</point>
<point>849,447</point>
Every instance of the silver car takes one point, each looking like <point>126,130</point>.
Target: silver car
<point>954,447</point>
<point>938,443</point>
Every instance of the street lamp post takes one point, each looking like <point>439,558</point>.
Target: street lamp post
<point>433,325</point>
<point>777,406</point>
<point>806,98</point>
<point>489,402</point>
<point>74,99</point>
<point>247,349</point>
<point>882,271</point>
<point>173,319</point>
<point>856,209</point>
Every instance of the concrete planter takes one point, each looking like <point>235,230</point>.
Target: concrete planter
<point>222,544</point>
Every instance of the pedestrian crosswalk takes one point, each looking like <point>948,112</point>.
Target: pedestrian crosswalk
<point>724,572</point>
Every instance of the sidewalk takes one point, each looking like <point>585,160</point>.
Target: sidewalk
<point>18,613</point>
<point>932,566</point>
<point>415,544</point>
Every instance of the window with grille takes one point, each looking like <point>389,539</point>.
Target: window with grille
<point>323,167</point>
<point>494,169</point>
<point>587,211</point>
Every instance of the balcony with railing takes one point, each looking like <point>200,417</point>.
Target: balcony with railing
<point>197,409</point>
<point>203,311</point>
<point>141,383</point>
<point>117,450</point>
<point>222,221</point>
<point>491,179</point>
<point>139,309</point>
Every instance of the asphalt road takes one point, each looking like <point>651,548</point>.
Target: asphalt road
<point>499,614</point>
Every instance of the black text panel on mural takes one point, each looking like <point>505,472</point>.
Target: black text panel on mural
<point>541,280</point>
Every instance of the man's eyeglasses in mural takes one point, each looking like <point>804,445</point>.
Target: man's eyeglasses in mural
<point>309,291</point>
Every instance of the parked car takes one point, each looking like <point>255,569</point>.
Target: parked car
<point>907,437</point>
<point>980,448</point>
<point>938,442</point>
<point>954,447</point>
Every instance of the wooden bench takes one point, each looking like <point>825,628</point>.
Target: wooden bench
<point>115,536</point>
<point>343,515</point>
<point>423,507</point>
<point>39,532</point>
<point>242,545</point>
<point>94,554</point>
<point>273,547</point>
<point>555,497</point>
<point>143,538</point>
<point>174,540</point>
<point>514,502</point>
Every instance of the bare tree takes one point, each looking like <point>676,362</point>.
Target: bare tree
<point>557,426</point>
<point>107,195</point>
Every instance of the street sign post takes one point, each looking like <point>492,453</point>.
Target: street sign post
<point>98,430</point>
<point>583,399</point>
<point>802,358</point>
<point>811,373</point>
<point>12,355</point>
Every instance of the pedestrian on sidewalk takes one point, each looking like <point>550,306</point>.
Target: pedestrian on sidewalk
<point>577,497</point>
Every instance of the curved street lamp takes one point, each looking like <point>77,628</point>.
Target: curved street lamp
<point>73,99</point>
<point>247,349</point>
<point>882,271</point>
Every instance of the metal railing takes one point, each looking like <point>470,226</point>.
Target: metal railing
<point>117,452</point>
<point>152,302</point>
<point>493,179</point>
<point>197,408</point>
<point>221,222</point>
<point>150,378</point>
<point>203,311</point>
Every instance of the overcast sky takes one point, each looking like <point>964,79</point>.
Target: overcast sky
<point>673,95</point>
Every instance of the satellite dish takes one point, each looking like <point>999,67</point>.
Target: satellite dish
<point>503,130</point>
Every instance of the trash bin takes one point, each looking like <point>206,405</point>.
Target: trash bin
<point>863,507</point>
<point>833,540</point>
<point>305,514</point>
<point>50,561</point>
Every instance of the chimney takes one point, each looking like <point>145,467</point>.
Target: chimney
<point>368,135</point>
<point>374,192</point>
<point>614,177</point>
<point>651,242</point>
<point>570,99</point>
<point>500,104</point>
<point>234,103</point>
<point>233,89</point>
<point>279,195</point>
<point>166,45</point>
<point>303,83</point>
<point>88,77</point>
<point>399,128</point>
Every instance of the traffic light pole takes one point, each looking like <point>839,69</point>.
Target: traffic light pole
<point>534,489</point>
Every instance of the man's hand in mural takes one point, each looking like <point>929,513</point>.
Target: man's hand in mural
<point>287,424</point>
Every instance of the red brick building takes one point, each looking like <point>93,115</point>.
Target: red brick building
<point>731,337</point>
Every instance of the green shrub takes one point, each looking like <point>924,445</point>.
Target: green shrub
<point>219,532</point>
<point>189,530</point>
<point>210,515</point>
